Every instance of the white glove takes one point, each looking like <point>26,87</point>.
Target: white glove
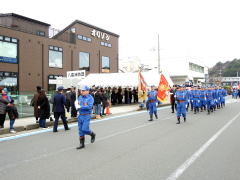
<point>77,105</point>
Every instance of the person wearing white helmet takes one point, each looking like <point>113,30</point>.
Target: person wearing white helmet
<point>84,106</point>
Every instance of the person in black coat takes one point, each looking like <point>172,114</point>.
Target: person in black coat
<point>172,99</point>
<point>126,96</point>
<point>135,95</point>
<point>114,96</point>
<point>119,95</point>
<point>72,101</point>
<point>104,101</point>
<point>12,114</point>
<point>59,101</point>
<point>98,103</point>
<point>44,108</point>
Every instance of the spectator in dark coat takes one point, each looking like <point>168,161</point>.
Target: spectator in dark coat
<point>126,96</point>
<point>59,101</point>
<point>4,101</point>
<point>135,95</point>
<point>98,103</point>
<point>119,95</point>
<point>114,96</point>
<point>72,101</point>
<point>104,101</point>
<point>44,108</point>
<point>34,103</point>
<point>130,95</point>
<point>12,114</point>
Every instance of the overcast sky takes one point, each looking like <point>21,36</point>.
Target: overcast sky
<point>208,30</point>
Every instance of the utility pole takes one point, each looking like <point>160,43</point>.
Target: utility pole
<point>158,56</point>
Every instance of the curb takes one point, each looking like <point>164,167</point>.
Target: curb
<point>50,123</point>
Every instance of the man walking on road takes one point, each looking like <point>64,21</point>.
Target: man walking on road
<point>59,101</point>
<point>152,99</point>
<point>85,104</point>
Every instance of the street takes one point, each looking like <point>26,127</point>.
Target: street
<point>128,146</point>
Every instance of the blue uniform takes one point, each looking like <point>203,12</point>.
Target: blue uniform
<point>209,98</point>
<point>196,99</point>
<point>181,98</point>
<point>152,100</point>
<point>85,112</point>
<point>222,96</point>
<point>202,99</point>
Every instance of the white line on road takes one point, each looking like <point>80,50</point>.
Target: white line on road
<point>71,148</point>
<point>176,174</point>
<point>73,125</point>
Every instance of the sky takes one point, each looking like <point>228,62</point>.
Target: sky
<point>207,30</point>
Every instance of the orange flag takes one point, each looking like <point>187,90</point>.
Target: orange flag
<point>142,87</point>
<point>163,87</point>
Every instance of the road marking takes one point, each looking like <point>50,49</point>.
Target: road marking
<point>72,125</point>
<point>180,170</point>
<point>41,156</point>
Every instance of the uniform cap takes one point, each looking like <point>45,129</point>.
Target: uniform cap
<point>85,88</point>
<point>60,88</point>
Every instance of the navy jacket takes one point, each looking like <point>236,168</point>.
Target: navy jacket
<point>59,101</point>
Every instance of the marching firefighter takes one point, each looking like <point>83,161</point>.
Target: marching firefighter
<point>152,100</point>
<point>181,99</point>
<point>85,104</point>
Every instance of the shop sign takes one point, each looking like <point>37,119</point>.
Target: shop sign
<point>100,35</point>
<point>76,74</point>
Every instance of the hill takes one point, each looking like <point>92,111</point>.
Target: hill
<point>228,69</point>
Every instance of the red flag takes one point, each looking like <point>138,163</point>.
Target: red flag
<point>163,87</point>
<point>142,87</point>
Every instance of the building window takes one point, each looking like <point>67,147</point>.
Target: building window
<point>84,60</point>
<point>9,80</point>
<point>55,57</point>
<point>106,44</point>
<point>8,50</point>
<point>105,64</point>
<point>84,38</point>
<point>73,30</point>
<point>89,39</point>
<point>40,33</point>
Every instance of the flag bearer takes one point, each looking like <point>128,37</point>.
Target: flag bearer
<point>152,100</point>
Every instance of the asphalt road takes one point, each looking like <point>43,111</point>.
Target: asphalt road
<point>131,148</point>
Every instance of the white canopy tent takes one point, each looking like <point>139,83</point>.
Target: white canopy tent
<point>122,79</point>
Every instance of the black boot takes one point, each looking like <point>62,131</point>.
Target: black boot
<point>185,119</point>
<point>151,118</point>
<point>93,136</point>
<point>195,110</point>
<point>208,111</point>
<point>82,141</point>
<point>156,116</point>
<point>178,120</point>
<point>201,109</point>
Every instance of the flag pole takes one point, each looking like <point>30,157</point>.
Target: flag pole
<point>158,56</point>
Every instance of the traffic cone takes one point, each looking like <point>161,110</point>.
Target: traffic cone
<point>108,110</point>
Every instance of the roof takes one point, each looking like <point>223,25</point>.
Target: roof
<point>122,79</point>
<point>25,18</point>
<point>85,24</point>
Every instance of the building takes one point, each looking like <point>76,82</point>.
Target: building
<point>182,70</point>
<point>32,53</point>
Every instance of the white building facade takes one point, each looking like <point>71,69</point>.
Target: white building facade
<point>182,70</point>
